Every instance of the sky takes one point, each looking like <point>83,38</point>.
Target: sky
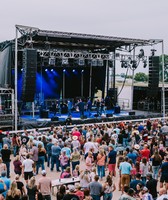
<point>145,19</point>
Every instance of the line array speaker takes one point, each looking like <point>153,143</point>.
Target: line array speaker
<point>153,82</point>
<point>29,74</point>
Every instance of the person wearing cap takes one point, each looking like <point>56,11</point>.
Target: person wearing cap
<point>145,195</point>
<point>71,194</point>
<point>45,186</point>
<point>75,143</point>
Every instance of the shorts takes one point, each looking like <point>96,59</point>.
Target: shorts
<point>28,175</point>
<point>111,167</point>
<point>164,178</point>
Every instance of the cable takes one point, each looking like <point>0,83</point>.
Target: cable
<point>123,83</point>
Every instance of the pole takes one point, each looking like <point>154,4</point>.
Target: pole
<point>132,85</point>
<point>16,78</point>
<point>163,88</point>
<point>82,83</point>
<point>107,79</point>
<point>113,81</point>
<point>90,82</point>
<point>63,86</point>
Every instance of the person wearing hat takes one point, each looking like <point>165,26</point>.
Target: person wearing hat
<point>45,186</point>
<point>71,194</point>
<point>145,195</point>
<point>75,143</point>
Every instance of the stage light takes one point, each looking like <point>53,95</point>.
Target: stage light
<point>51,61</point>
<point>22,69</point>
<point>73,70</point>
<point>65,61</point>
<point>46,70</point>
<point>64,70</point>
<point>144,64</point>
<point>82,71</point>
<point>52,70</point>
<point>141,53</point>
<point>153,52</point>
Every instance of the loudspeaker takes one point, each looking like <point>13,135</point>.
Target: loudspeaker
<point>44,114</point>
<point>131,113</point>
<point>153,82</point>
<point>109,115</point>
<point>117,109</point>
<point>55,119</point>
<point>29,74</point>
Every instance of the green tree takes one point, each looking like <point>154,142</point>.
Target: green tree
<point>141,77</point>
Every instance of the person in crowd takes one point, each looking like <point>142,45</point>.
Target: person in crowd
<point>162,194</point>
<point>134,183</point>
<point>6,153</point>
<point>16,144</point>
<point>17,165</point>
<point>49,151</point>
<point>61,192</point>
<point>76,172</point>
<point>27,168</point>
<point>63,160</point>
<point>156,162</point>
<point>66,173</point>
<point>7,140</point>
<point>108,188</point>
<point>112,161</point>
<point>20,185</point>
<point>145,194</point>
<point>55,155</point>
<point>163,171</point>
<point>2,166</point>
<point>34,156</point>
<point>31,188</point>
<point>45,185</point>
<point>89,161</point>
<point>78,192</point>
<point>125,170</point>
<point>75,157</point>
<point>84,179</point>
<point>151,184</point>
<point>71,194</point>
<point>41,158</point>
<point>101,159</point>
<point>128,194</point>
<point>6,181</point>
<point>95,188</point>
<point>13,193</point>
<point>144,169</point>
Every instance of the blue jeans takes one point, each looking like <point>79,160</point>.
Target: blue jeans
<point>125,142</point>
<point>107,196</point>
<point>48,159</point>
<point>74,164</point>
<point>95,197</point>
<point>7,168</point>
<point>100,170</point>
<point>155,170</point>
<point>55,160</point>
<point>0,146</point>
<point>40,163</point>
<point>14,151</point>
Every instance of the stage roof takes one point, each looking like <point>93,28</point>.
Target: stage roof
<point>42,39</point>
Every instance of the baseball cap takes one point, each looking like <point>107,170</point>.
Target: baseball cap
<point>43,172</point>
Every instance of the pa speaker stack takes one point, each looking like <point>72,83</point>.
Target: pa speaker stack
<point>29,74</point>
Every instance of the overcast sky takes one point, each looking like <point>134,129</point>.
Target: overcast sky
<point>145,19</point>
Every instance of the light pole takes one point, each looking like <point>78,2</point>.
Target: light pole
<point>163,78</point>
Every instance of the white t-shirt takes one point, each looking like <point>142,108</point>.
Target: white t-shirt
<point>88,146</point>
<point>28,165</point>
<point>162,197</point>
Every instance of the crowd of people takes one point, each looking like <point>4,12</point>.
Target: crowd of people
<point>128,157</point>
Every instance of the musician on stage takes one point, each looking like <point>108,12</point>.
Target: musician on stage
<point>102,106</point>
<point>69,104</point>
<point>81,107</point>
<point>98,107</point>
<point>89,106</point>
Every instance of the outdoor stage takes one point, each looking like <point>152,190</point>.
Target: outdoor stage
<point>29,122</point>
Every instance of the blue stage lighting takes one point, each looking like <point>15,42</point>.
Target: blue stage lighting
<point>82,71</point>
<point>64,70</point>
<point>22,69</point>
<point>46,70</point>
<point>52,70</point>
<point>73,70</point>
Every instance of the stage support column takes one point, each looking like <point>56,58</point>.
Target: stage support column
<point>113,80</point>
<point>63,86</point>
<point>132,85</point>
<point>33,108</point>
<point>107,79</point>
<point>90,82</point>
<point>163,79</point>
<point>16,78</point>
<point>82,83</point>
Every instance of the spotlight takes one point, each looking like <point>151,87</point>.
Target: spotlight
<point>82,71</point>
<point>21,69</point>
<point>46,70</point>
<point>73,70</point>
<point>141,53</point>
<point>153,52</point>
<point>64,70</point>
<point>134,64</point>
<point>52,70</point>
<point>124,64</point>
